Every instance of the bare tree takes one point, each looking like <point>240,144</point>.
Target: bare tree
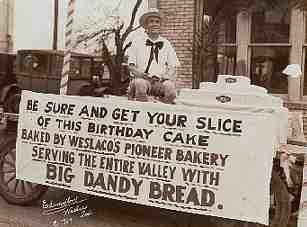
<point>114,58</point>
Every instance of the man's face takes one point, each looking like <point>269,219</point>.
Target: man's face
<point>153,25</point>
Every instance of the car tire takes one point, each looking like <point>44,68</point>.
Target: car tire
<point>15,191</point>
<point>11,103</point>
<point>282,204</point>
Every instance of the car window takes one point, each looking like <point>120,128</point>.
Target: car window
<point>75,68</point>
<point>34,63</point>
<point>86,68</point>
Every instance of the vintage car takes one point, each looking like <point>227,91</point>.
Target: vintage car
<point>9,89</point>
<point>40,71</point>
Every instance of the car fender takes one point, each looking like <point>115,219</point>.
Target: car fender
<point>76,85</point>
<point>84,83</point>
<point>7,89</point>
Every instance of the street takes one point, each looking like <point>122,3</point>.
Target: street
<point>100,211</point>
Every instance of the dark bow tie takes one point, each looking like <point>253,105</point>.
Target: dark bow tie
<point>155,47</point>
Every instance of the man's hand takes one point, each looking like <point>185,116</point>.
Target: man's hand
<point>140,74</point>
<point>154,78</point>
<point>170,73</point>
<point>136,72</point>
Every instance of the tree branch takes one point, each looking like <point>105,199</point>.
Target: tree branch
<point>93,35</point>
<point>106,52</point>
<point>133,15</point>
<point>127,46</point>
<point>136,28</point>
<point>107,56</point>
<point>117,39</point>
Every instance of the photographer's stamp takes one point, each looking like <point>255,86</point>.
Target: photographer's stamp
<point>67,210</point>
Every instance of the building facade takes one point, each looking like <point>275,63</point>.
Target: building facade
<point>6,25</point>
<point>264,39</point>
<point>179,27</point>
<point>259,40</point>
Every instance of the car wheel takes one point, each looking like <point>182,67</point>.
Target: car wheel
<point>15,191</point>
<point>280,209</point>
<point>11,103</point>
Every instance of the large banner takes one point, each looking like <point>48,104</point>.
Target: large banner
<point>170,156</point>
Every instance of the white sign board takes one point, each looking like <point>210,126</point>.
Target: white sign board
<point>170,156</point>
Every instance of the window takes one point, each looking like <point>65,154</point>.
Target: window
<point>269,46</point>
<point>271,25</point>
<point>226,60</point>
<point>86,68</point>
<point>259,42</point>
<point>34,63</point>
<point>267,64</point>
<point>221,50</point>
<point>227,30</point>
<point>57,65</point>
<point>75,68</point>
<point>226,46</point>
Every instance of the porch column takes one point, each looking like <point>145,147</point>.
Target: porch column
<point>243,39</point>
<point>6,25</point>
<point>297,40</point>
